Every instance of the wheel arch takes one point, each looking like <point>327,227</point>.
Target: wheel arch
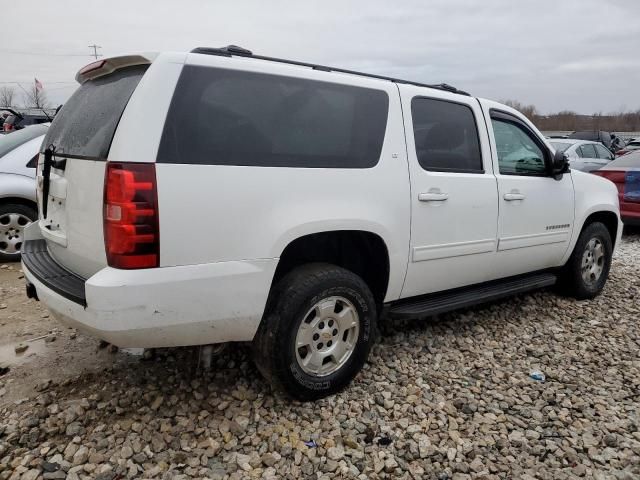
<point>19,201</point>
<point>609,219</point>
<point>362,252</point>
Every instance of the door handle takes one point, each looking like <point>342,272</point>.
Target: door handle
<point>510,197</point>
<point>433,197</point>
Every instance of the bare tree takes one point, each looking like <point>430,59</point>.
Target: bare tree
<point>7,96</point>
<point>528,111</point>
<point>35,97</point>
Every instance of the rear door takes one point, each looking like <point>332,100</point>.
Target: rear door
<point>81,137</point>
<point>454,203</point>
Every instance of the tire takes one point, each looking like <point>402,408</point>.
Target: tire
<point>12,222</point>
<point>584,262</point>
<point>299,310</point>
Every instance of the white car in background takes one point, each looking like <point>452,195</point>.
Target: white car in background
<point>18,158</point>
<point>584,155</point>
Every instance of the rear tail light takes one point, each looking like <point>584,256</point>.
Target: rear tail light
<point>131,233</point>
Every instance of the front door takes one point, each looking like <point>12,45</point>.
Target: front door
<point>454,203</point>
<point>536,210</point>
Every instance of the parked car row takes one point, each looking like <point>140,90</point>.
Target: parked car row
<point>18,158</point>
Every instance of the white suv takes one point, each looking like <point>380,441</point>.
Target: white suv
<point>219,196</point>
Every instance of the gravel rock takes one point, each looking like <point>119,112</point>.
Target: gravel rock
<point>440,398</point>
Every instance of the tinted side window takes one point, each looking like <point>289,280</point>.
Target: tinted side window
<point>446,136</point>
<point>587,151</point>
<point>518,153</point>
<point>229,117</point>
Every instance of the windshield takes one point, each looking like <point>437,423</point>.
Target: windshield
<point>560,147</point>
<point>14,140</point>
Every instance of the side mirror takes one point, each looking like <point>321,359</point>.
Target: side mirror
<point>559,165</point>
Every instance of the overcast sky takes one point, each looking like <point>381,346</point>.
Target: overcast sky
<point>581,55</point>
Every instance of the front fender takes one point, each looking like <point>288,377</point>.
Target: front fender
<point>592,194</point>
<point>17,186</point>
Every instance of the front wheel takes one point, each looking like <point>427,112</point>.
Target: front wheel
<point>588,267</point>
<point>14,218</point>
<point>317,331</point>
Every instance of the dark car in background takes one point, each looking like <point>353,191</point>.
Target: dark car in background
<point>19,120</point>
<point>593,136</point>
<point>625,173</point>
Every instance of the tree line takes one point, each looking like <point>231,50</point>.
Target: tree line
<point>569,121</point>
<point>31,98</point>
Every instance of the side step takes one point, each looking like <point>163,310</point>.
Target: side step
<point>441,302</point>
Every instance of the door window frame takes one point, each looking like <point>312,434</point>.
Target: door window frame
<point>473,171</point>
<point>500,115</point>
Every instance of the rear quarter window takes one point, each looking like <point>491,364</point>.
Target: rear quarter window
<point>446,136</point>
<point>229,117</point>
<point>86,124</point>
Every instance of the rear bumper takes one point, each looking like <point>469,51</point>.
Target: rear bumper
<point>630,217</point>
<point>165,307</point>
<point>633,221</point>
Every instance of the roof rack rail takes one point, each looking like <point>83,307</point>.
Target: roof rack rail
<point>234,50</point>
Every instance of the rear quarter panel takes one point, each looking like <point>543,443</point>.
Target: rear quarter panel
<point>212,213</point>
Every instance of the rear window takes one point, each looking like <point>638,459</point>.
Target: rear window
<point>229,117</point>
<point>85,125</point>
<point>15,139</point>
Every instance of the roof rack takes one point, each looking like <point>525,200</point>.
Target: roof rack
<point>234,50</point>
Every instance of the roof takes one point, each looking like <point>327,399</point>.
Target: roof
<point>234,50</point>
<point>572,141</point>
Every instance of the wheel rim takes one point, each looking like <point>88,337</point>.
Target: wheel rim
<point>593,261</point>
<point>327,336</point>
<point>12,227</point>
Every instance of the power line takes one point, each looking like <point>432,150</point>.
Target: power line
<point>47,82</point>
<point>95,50</point>
<point>18,52</point>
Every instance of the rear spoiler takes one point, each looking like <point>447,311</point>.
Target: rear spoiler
<point>110,65</point>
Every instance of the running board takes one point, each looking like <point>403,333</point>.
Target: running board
<point>436,303</point>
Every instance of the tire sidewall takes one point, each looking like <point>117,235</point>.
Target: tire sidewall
<point>599,232</point>
<point>292,374</point>
<point>22,210</point>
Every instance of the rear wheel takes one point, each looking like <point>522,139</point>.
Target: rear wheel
<point>317,331</point>
<point>13,220</point>
<point>588,267</point>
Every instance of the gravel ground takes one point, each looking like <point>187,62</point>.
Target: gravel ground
<point>441,398</point>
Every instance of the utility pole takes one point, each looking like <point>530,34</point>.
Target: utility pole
<point>95,50</point>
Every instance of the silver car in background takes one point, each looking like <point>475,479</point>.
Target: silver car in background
<point>584,155</point>
<point>18,158</point>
